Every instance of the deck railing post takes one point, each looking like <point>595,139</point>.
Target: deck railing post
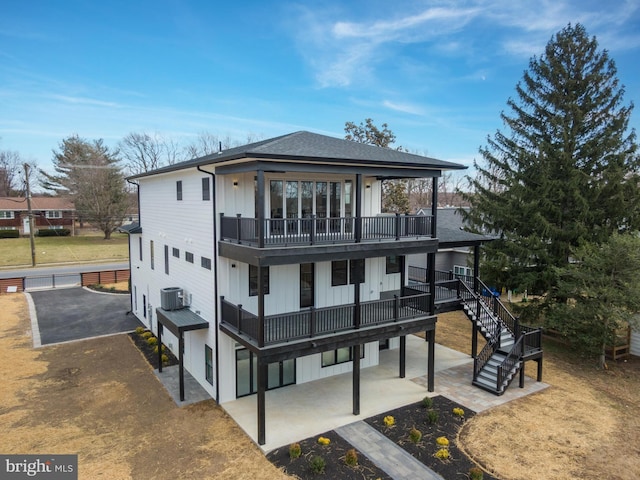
<point>239,319</point>
<point>396,308</point>
<point>313,230</point>
<point>238,227</point>
<point>498,379</point>
<point>397,226</point>
<point>312,322</point>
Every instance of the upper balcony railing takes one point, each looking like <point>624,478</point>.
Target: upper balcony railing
<point>275,232</point>
<point>313,322</point>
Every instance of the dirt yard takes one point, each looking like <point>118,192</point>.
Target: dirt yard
<point>99,398</point>
<point>585,425</point>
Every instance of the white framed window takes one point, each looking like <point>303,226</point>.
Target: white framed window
<point>53,214</point>
<point>460,270</point>
<point>6,227</point>
<point>7,214</point>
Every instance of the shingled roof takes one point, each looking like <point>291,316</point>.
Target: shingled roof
<point>37,203</point>
<point>451,231</point>
<point>313,147</point>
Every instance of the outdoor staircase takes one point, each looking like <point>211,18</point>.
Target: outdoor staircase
<point>509,344</point>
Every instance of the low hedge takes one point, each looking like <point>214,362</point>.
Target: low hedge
<point>52,232</point>
<point>9,234</point>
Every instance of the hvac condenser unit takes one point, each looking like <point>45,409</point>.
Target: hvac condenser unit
<point>171,298</point>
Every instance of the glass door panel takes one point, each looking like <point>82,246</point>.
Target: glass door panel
<point>277,205</point>
<point>321,206</point>
<point>306,205</point>
<point>307,288</point>
<point>292,208</point>
<point>348,206</point>
<point>288,372</point>
<point>334,206</point>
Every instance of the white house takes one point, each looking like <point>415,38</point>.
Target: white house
<point>270,264</point>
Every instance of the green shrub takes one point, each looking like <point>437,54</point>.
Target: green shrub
<point>155,349</point>
<point>443,454</point>
<point>294,450</point>
<point>317,464</point>
<point>152,341</point>
<point>427,402</point>
<point>415,435</point>
<point>165,358</point>
<point>140,330</point>
<point>147,334</point>
<point>52,232</point>
<point>9,234</point>
<point>433,416</point>
<point>476,473</point>
<point>351,457</point>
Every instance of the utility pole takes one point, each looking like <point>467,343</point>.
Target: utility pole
<point>30,212</point>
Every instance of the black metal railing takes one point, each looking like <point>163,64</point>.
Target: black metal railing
<point>313,322</point>
<point>272,232</point>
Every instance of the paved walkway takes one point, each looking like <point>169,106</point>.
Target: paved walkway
<point>394,460</point>
<point>193,391</point>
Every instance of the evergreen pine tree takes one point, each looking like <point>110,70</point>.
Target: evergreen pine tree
<point>564,172</point>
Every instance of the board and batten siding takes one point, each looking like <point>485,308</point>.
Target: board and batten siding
<point>187,225</point>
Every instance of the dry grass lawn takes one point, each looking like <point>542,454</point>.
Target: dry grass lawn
<point>585,425</point>
<point>100,399</point>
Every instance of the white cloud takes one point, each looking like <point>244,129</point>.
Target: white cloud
<point>404,107</point>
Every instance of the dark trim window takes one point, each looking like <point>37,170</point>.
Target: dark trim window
<point>140,247</point>
<point>343,272</point>
<point>205,263</point>
<point>341,355</point>
<point>208,363</point>
<point>176,252</point>
<point>151,253</point>
<point>166,259</point>
<point>394,264</point>
<point>188,256</point>
<point>339,273</point>
<point>179,190</point>
<point>206,189</point>
<point>253,280</point>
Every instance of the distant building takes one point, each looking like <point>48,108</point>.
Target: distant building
<point>48,213</point>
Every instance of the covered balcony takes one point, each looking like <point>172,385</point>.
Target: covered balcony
<point>279,232</point>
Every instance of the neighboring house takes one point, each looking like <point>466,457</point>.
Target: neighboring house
<point>271,264</point>
<point>48,213</point>
<point>457,250</point>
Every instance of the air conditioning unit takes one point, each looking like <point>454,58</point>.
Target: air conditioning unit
<point>171,298</point>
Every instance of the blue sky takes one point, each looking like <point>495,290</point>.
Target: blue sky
<point>437,72</point>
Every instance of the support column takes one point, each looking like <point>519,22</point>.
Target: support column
<point>431,337</point>
<point>474,339</point>
<point>160,328</point>
<point>262,388</point>
<point>539,361</point>
<point>403,355</point>
<point>356,379</point>
<point>522,375</point>
<point>181,363</point>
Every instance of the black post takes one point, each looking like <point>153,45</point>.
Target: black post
<point>239,227</point>
<point>397,226</point>
<point>476,267</point>
<point>239,319</point>
<point>403,355</point>
<point>356,310</point>
<point>474,339</point>
<point>358,212</point>
<point>434,208</point>
<point>261,206</point>
<point>262,388</point>
<point>522,375</point>
<point>261,306</point>
<point>312,326</point>
<point>432,282</point>
<point>181,362</point>
<point>539,361</point>
<point>431,361</point>
<point>160,327</point>
<point>356,379</point>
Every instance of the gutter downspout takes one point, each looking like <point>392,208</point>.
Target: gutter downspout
<point>215,277</point>
<point>129,243</point>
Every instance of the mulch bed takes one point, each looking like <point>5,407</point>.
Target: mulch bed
<point>147,350</point>
<point>407,417</point>
<point>447,425</point>
<point>333,454</point>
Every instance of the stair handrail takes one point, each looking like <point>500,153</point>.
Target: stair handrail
<point>485,354</point>
<point>509,363</point>
<point>499,309</point>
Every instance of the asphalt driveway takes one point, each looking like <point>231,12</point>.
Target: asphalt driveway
<point>75,314</point>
